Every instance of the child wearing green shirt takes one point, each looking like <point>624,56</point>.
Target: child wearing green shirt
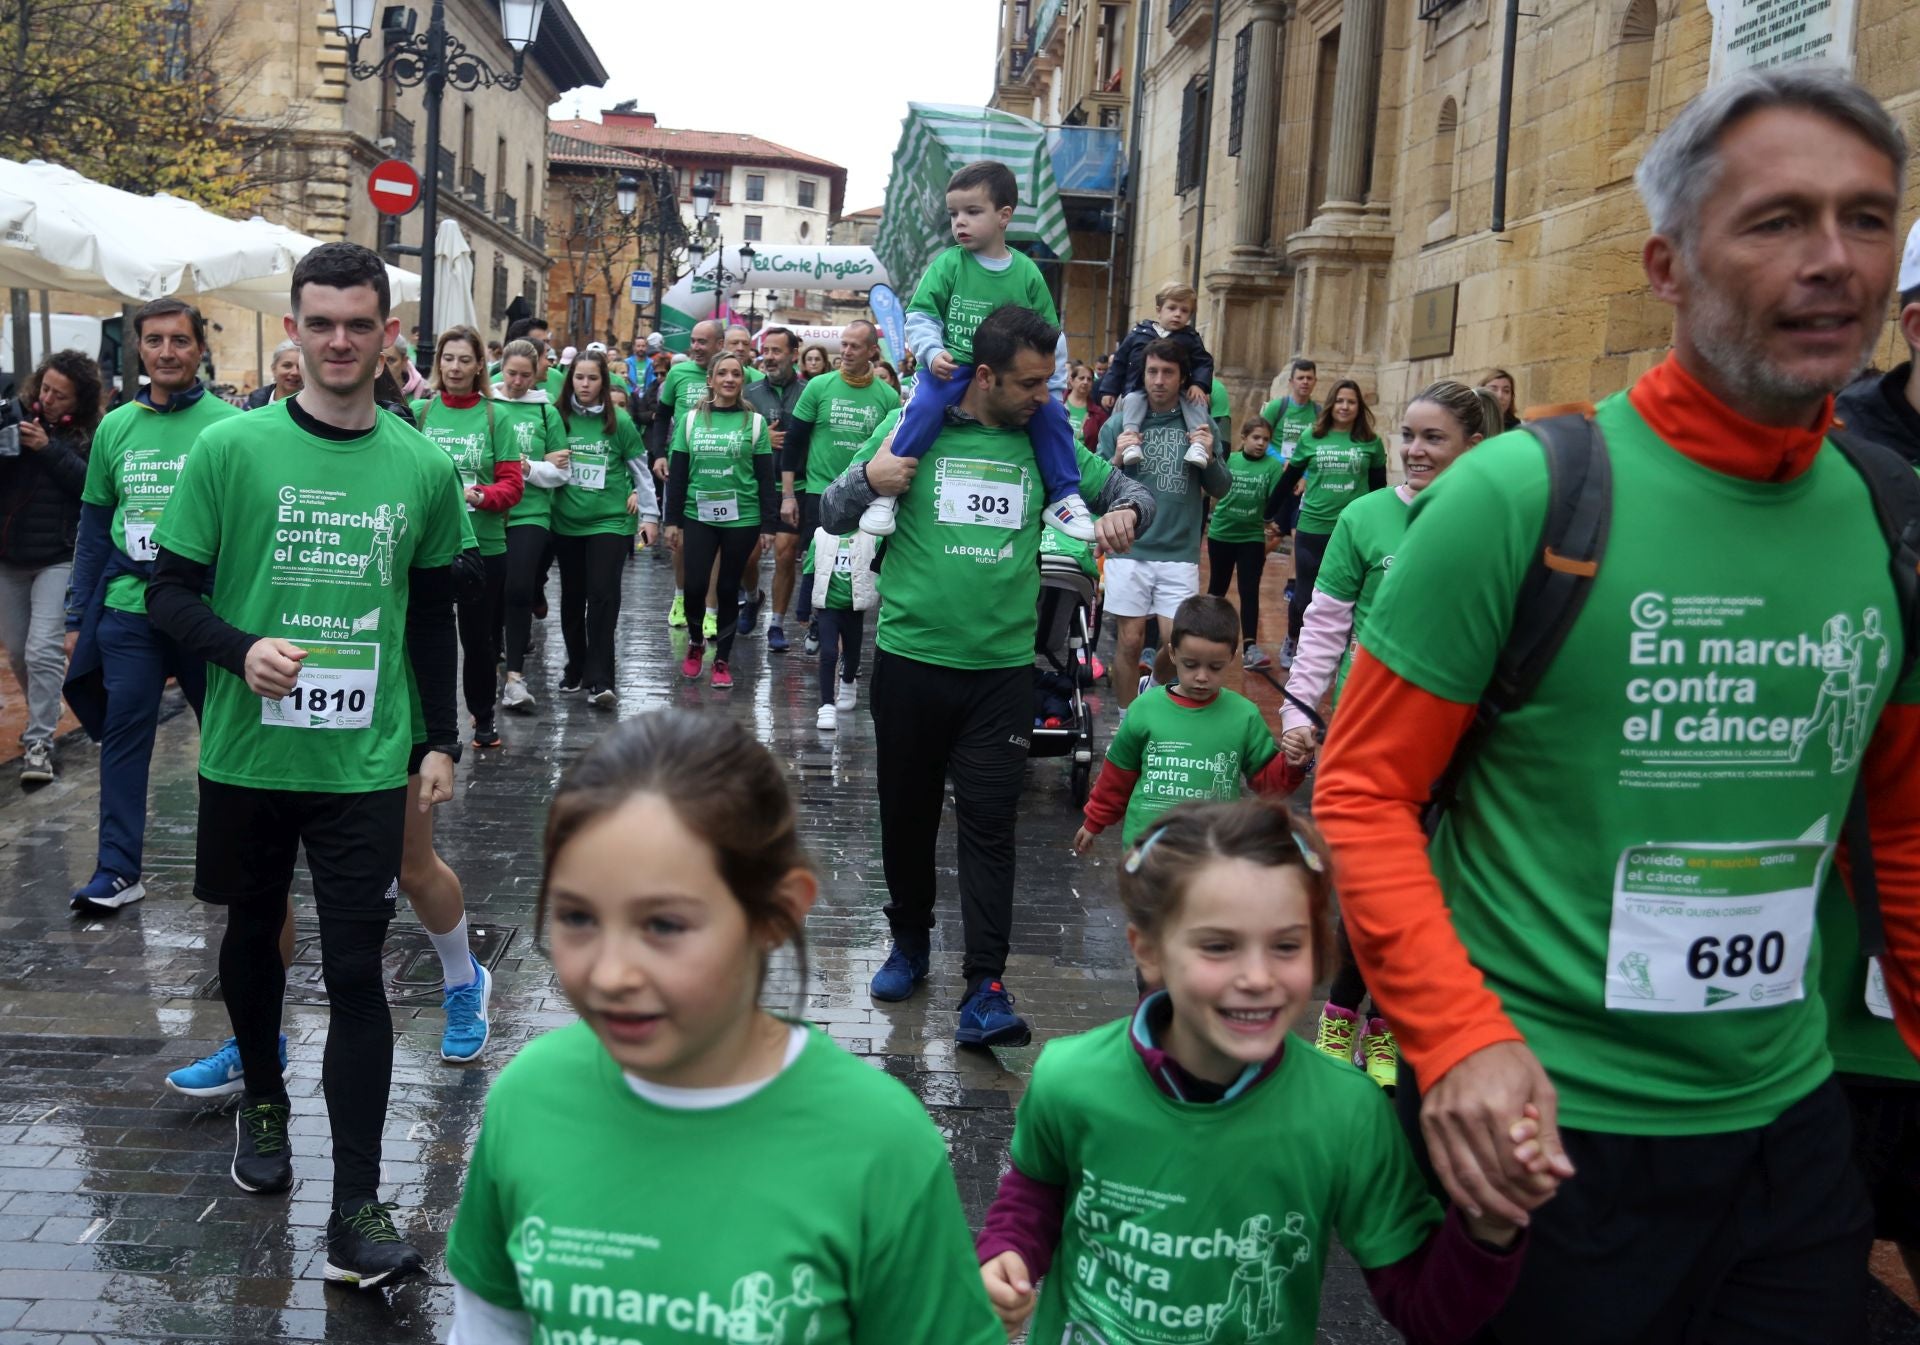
<point>964,285</point>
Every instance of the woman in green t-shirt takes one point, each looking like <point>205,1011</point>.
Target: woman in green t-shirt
<point>541,437</point>
<point>461,418</point>
<point>594,522</point>
<point>1443,421</point>
<point>1079,397</point>
<point>1341,459</point>
<point>718,1171</point>
<point>720,499</point>
<point>1245,523</point>
<point>1192,1159</point>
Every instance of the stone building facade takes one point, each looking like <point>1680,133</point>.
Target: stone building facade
<point>332,130</point>
<point>1345,152</point>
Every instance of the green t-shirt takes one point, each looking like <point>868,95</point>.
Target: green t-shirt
<point>1860,1029</point>
<point>1337,472</point>
<point>843,418</point>
<point>594,500</point>
<point>132,469</point>
<point>1633,855</point>
<point>1290,424</point>
<point>478,439</point>
<point>1077,417</point>
<point>603,1215</point>
<point>720,446</point>
<point>536,431</point>
<point>681,388</point>
<point>960,292</point>
<point>1195,1223</point>
<point>1180,499</point>
<point>1241,514</point>
<point>554,383</point>
<point>1187,752</point>
<point>1053,542</point>
<point>312,540</point>
<point>961,577</point>
<point>1358,556</point>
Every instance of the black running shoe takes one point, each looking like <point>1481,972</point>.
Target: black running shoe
<point>485,735</point>
<point>365,1250</point>
<point>262,1158</point>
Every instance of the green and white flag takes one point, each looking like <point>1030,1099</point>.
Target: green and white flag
<point>937,140</point>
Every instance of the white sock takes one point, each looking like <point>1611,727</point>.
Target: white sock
<point>456,962</point>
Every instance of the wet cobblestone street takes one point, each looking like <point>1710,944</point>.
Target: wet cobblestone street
<point>118,1220</point>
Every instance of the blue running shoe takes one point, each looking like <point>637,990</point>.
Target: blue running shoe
<point>467,1024</point>
<point>899,974</point>
<point>219,1074</point>
<point>988,1019</point>
<point>777,638</point>
<point>106,892</point>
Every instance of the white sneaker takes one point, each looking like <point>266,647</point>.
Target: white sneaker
<point>1199,455</point>
<point>848,691</point>
<point>877,520</point>
<point>515,696</point>
<point>827,720</point>
<point>1130,455</point>
<point>1069,515</point>
<point>1287,652</point>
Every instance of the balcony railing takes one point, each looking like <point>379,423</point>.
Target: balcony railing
<point>540,234</point>
<point>398,129</point>
<point>1018,60</point>
<point>449,176</point>
<point>476,187</point>
<point>506,209</point>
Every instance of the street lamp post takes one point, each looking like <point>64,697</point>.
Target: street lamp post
<point>436,59</point>
<point>707,223</point>
<point>747,254</point>
<point>626,194</point>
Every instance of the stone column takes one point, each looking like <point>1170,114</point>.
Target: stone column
<point>1253,223</point>
<point>1356,96</point>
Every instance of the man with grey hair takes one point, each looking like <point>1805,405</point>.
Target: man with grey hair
<point>1598,969</point>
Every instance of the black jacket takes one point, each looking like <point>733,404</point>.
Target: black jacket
<point>1877,411</point>
<point>40,503</point>
<point>1127,370</point>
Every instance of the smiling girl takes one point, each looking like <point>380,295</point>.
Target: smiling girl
<point>683,1165</point>
<point>1184,1170</point>
<point>1341,459</point>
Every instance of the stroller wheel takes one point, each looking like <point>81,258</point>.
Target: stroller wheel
<point>1082,779</point>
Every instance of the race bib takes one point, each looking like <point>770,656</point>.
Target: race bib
<point>716,506</point>
<point>138,525</point>
<point>843,561</point>
<point>1879,1003</point>
<point>587,473</point>
<point>336,689</point>
<point>1287,447</point>
<point>987,494</point>
<point>1699,928</point>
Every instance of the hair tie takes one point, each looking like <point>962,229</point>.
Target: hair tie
<point>1139,855</point>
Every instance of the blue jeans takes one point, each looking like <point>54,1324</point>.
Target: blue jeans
<point>136,661</point>
<point>1050,432</point>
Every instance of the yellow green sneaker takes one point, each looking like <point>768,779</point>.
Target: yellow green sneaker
<point>1380,1054</point>
<point>711,626</point>
<point>677,614</point>
<point>1338,1029</point>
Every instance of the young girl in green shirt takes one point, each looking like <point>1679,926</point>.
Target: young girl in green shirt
<point>681,1165</point>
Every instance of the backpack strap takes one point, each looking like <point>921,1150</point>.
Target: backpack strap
<point>1573,537</point>
<point>1890,480</point>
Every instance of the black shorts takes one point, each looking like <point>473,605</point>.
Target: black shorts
<point>250,838</point>
<point>809,517</point>
<point>1886,1145</point>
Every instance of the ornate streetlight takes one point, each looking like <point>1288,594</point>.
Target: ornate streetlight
<point>436,59</point>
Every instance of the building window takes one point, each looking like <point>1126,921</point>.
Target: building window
<point>756,186</point>
<point>1632,62</point>
<point>1194,108</point>
<point>753,228</point>
<point>580,317</point>
<point>805,229</point>
<point>715,178</point>
<point>176,41</point>
<point>1242,53</point>
<point>499,289</point>
<point>806,193</point>
<point>1440,184</point>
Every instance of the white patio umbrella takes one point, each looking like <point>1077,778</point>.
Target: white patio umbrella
<point>59,230</point>
<point>453,304</point>
<point>268,294</point>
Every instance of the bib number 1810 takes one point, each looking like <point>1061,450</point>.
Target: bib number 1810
<point>322,700</point>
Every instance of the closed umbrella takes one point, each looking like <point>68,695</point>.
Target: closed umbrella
<point>453,279</point>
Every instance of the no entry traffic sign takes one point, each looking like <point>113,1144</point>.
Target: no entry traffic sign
<point>394,187</point>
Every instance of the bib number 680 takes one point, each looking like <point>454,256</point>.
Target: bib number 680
<point>1706,958</point>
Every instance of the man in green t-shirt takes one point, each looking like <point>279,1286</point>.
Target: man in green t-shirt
<point>1292,416</point>
<point>120,663</point>
<point>679,393</point>
<point>1614,925</point>
<point>835,415</point>
<point>331,529</point>
<point>774,396</point>
<point>952,689</point>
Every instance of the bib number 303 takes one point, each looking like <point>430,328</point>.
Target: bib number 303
<point>1708,928</point>
<point>987,494</point>
<point>336,690</point>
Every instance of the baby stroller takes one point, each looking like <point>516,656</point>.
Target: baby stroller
<point>1063,669</point>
